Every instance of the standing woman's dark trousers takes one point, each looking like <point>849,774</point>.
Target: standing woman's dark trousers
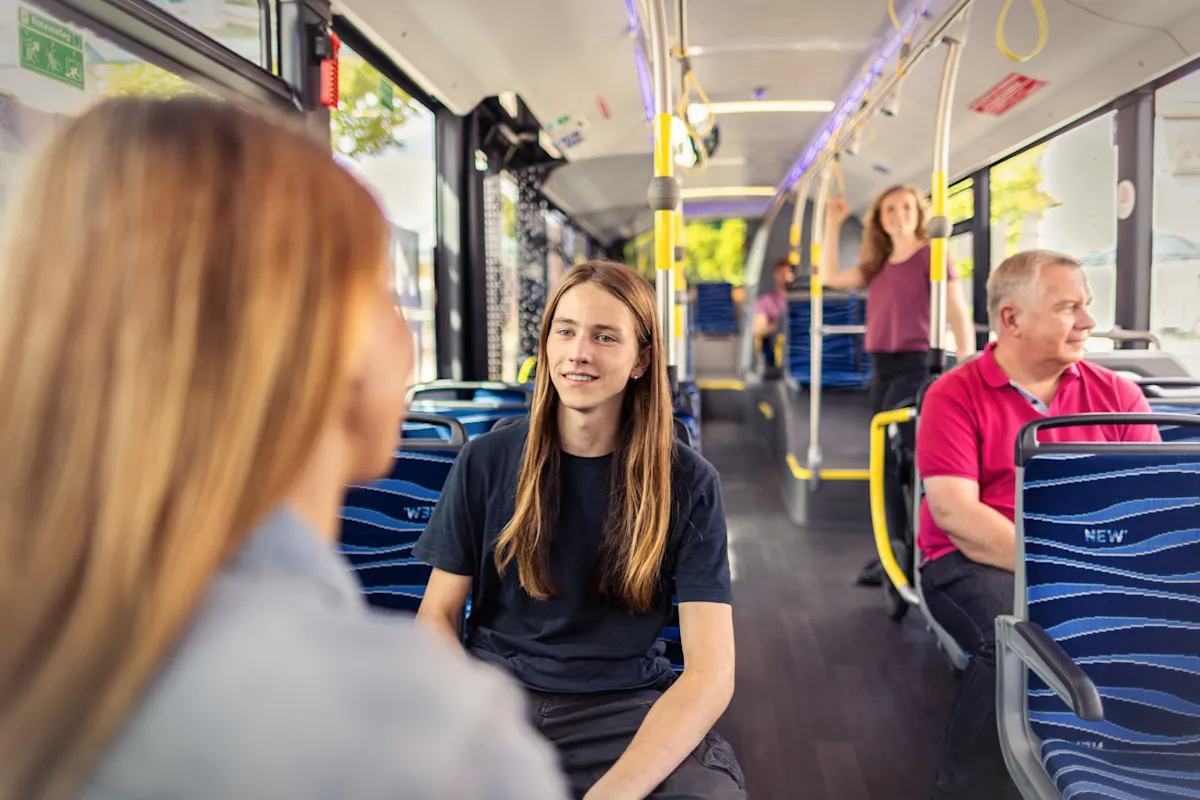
<point>895,380</point>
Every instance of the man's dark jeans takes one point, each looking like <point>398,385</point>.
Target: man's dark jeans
<point>965,598</point>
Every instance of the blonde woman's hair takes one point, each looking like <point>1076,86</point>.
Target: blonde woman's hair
<point>876,246</point>
<point>183,286</point>
<point>639,517</point>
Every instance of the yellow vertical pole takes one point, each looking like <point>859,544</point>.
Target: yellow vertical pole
<point>664,194</point>
<point>939,226</point>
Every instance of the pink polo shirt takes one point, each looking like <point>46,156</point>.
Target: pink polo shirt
<point>971,416</point>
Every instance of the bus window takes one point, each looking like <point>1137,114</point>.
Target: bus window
<point>1062,195</point>
<point>235,24</point>
<point>387,139</point>
<point>1175,268</point>
<point>52,70</point>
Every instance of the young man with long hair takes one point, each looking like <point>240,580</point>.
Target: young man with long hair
<point>571,530</point>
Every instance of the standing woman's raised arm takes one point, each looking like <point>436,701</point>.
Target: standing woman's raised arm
<point>832,275</point>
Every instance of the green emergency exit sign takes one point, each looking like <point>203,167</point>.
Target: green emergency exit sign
<point>50,49</point>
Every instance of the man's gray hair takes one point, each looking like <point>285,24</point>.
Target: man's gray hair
<point>1016,279</point>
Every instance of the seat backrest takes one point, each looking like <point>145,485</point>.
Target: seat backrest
<point>1168,388</point>
<point>689,390</point>
<point>1108,563</point>
<point>687,414</point>
<point>382,520</point>
<point>683,431</point>
<point>1144,363</point>
<point>1177,433</point>
<point>477,392</point>
<point>477,418</point>
<point>508,421</point>
<point>714,309</point>
<point>479,405</point>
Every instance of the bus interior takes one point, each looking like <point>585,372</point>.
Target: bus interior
<point>699,142</point>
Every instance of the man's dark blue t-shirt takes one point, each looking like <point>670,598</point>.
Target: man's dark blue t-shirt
<point>574,642</point>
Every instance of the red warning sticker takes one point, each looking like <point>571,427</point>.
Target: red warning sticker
<point>1007,93</point>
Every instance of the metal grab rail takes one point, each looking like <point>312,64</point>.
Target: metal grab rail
<point>1120,335</point>
<point>839,330</point>
<point>883,542</point>
<point>938,226</point>
<point>816,325</point>
<point>801,203</point>
<point>879,96</point>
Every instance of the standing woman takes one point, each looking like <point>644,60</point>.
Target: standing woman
<point>893,266</point>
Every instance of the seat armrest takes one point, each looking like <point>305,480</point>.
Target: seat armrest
<point>1030,642</point>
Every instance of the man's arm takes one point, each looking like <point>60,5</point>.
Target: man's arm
<point>982,533</point>
<point>948,460</point>
<point>685,713</point>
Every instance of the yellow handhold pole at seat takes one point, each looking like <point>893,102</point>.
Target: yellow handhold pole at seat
<point>526,369</point>
<point>883,542</point>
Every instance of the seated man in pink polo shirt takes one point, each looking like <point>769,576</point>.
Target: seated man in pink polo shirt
<point>1037,305</point>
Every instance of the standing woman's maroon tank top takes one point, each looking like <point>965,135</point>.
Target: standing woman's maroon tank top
<point>898,305</point>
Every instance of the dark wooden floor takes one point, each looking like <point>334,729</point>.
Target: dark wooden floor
<point>833,699</point>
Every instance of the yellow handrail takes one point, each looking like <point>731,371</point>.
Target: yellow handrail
<point>526,369</point>
<point>883,542</point>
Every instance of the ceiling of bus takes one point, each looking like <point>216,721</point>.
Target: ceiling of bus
<point>576,58</point>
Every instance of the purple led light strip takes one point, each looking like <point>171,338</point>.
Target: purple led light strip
<point>747,207</point>
<point>852,100</point>
<point>639,57</point>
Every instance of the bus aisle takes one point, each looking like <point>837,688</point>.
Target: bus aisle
<point>833,699</point>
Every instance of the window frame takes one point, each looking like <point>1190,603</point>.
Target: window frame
<point>159,38</point>
<point>1134,138</point>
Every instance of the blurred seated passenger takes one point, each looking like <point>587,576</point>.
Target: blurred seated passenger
<point>1037,305</point>
<point>199,350</point>
<point>770,308</point>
